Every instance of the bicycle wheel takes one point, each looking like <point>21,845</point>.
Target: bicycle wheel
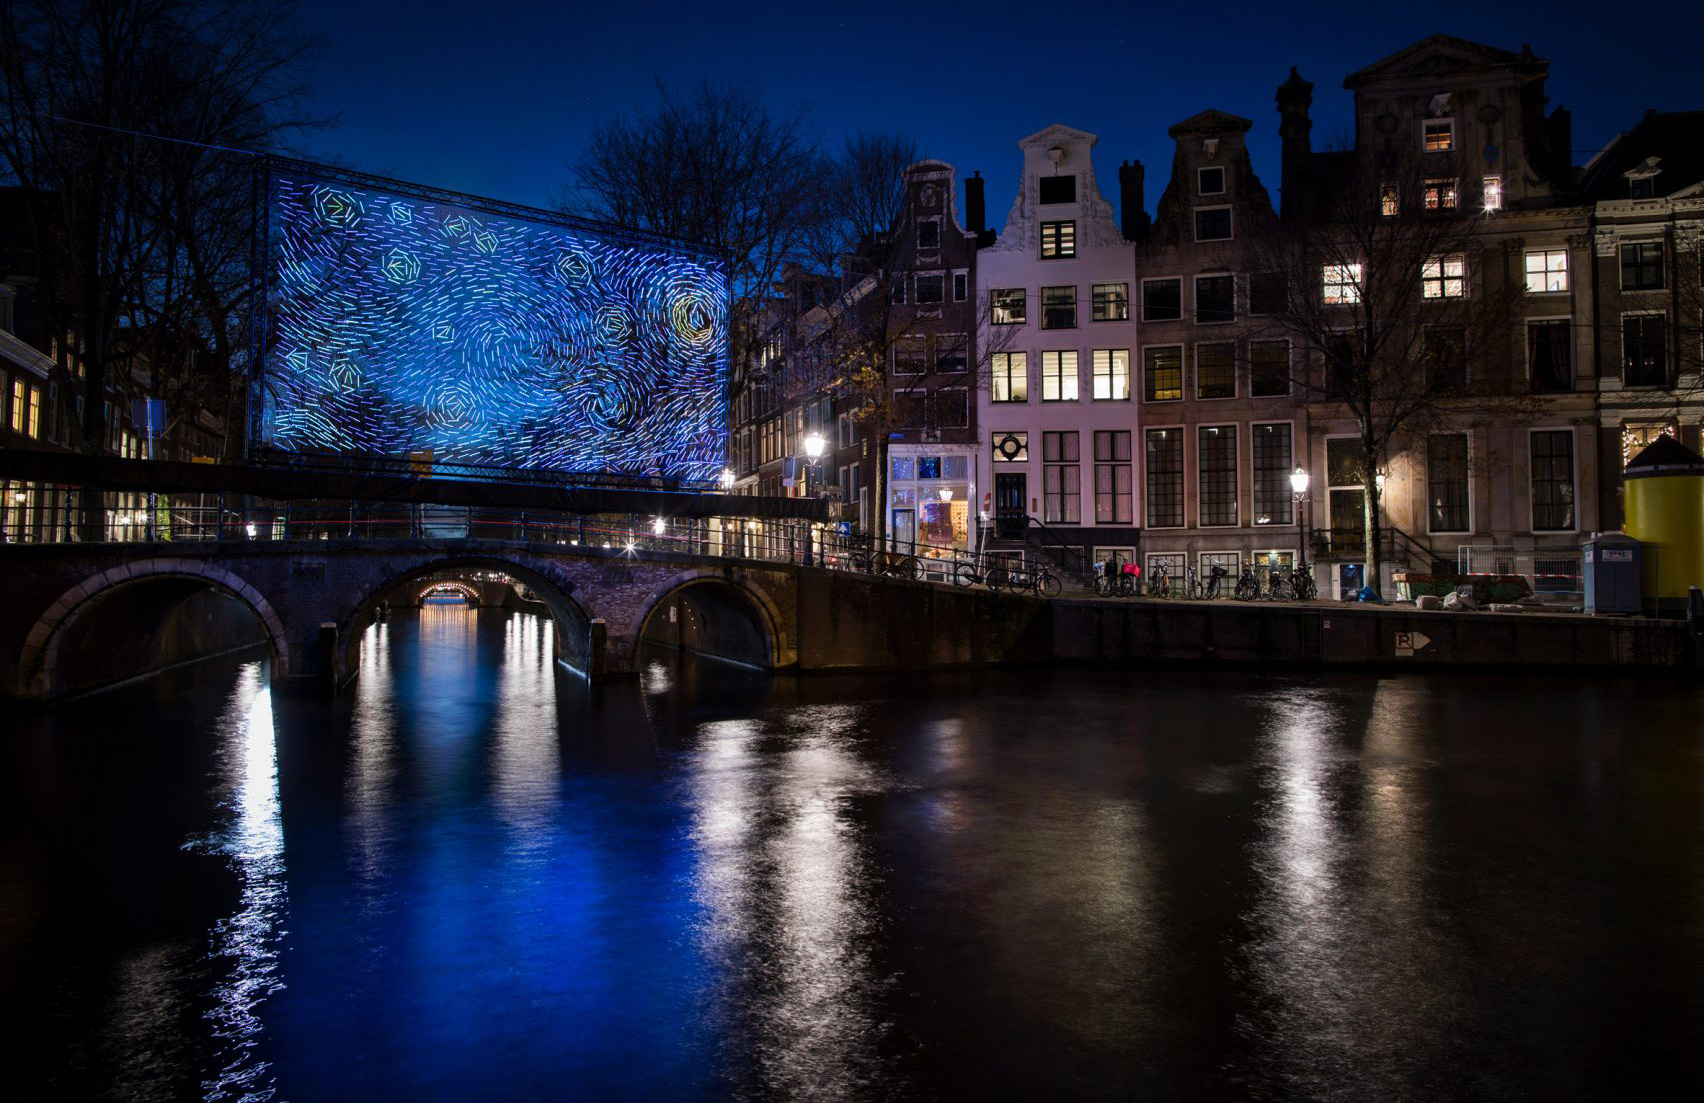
<point>964,574</point>
<point>1103,585</point>
<point>1046,585</point>
<point>1245,589</point>
<point>1305,590</point>
<point>906,567</point>
<point>1212,588</point>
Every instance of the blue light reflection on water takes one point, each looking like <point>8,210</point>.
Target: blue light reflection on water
<point>476,877</point>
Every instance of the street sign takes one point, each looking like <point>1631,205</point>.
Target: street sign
<point>1407,643</point>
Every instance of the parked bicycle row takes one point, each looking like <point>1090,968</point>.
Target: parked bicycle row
<point>1125,580</point>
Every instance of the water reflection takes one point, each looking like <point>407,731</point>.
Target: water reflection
<point>525,760</point>
<point>788,891</point>
<point>253,844</point>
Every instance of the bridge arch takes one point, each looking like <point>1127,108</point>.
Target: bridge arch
<point>573,624</point>
<point>41,660</point>
<point>715,614</point>
<point>465,589</point>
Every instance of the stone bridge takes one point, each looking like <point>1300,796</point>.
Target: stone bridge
<point>80,615</point>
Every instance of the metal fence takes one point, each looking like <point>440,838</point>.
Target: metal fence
<point>1549,571</point>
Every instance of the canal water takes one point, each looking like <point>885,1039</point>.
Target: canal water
<point>475,878</point>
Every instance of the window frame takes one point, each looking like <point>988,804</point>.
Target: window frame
<point>1100,302</point>
<point>1286,494</point>
<point>1149,498</point>
<point>1022,378</point>
<point>1449,143</point>
<point>1573,475</point>
<point>1059,306</point>
<point>1146,349</point>
<point>1434,192</point>
<point>1443,281</point>
<point>1178,280</point>
<point>935,276</point>
<point>1533,322</point>
<point>1069,499</point>
<point>1660,265</point>
<point>1230,222</point>
<point>1063,232</point>
<point>1235,468</point>
<point>1467,483</point>
<point>995,306</point>
<point>1230,315</point>
<point>928,220</point>
<point>1545,272</point>
<point>1201,187</point>
<point>1288,362</point>
<point>1066,380</point>
<point>1349,283</point>
<point>1114,466</point>
<point>1667,375</point>
<point>1111,376</point>
<point>1200,395</point>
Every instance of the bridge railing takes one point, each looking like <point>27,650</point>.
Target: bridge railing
<point>38,514</point>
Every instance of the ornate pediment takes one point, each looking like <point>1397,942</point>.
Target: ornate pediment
<point>1438,57</point>
<point>1056,134</point>
<point>1210,122</point>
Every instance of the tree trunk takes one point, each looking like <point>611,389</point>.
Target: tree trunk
<point>878,519</point>
<point>1374,530</point>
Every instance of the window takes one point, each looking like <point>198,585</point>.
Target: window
<point>1111,370</point>
<point>1341,361</point>
<point>1059,376</point>
<point>1440,194</point>
<point>1215,299</point>
<point>1162,374</point>
<point>1437,135</point>
<point>1390,200</point>
<point>1061,488</point>
<point>1644,350</point>
<point>1011,447</point>
<point>909,358</point>
<point>1268,293</point>
<point>896,293</point>
<point>1008,306</point>
<point>1216,370</point>
<point>961,286</point>
<point>1636,436</point>
<point>1443,350</point>
<point>1492,189</point>
<point>1162,300</point>
<point>1212,224</point>
<point>950,354</point>
<point>1446,482</point>
<point>1110,302</point>
<point>1269,368</point>
<point>928,467</point>
<point>1340,283</point>
<point>1165,478</point>
<point>1443,277</point>
<point>1642,266</point>
<point>1550,355</point>
<point>1058,239</point>
<point>20,403</point>
<point>1112,477</point>
<point>1010,377</point>
<point>910,409</point>
<point>1059,308</point>
<point>1546,271</point>
<point>929,233</point>
<point>1552,480</point>
<point>1273,462</point>
<point>952,408</point>
<point>1210,181</point>
<point>1058,189</point>
<point>931,288</point>
<point>1216,473</point>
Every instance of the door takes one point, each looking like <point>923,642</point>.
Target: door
<point>1011,495</point>
<point>904,528</point>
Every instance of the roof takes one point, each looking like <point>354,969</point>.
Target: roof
<point>1210,122</point>
<point>1674,138</point>
<point>1666,455</point>
<point>1442,55</point>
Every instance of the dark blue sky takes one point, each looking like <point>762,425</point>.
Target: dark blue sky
<point>495,97</point>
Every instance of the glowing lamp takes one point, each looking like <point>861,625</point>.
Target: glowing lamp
<point>814,444</point>
<point>657,526</point>
<point>946,493</point>
<point>1299,481</point>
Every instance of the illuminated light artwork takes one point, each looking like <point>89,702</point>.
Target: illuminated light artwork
<point>403,322</point>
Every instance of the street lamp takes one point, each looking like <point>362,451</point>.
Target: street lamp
<point>814,445</point>
<point>1299,495</point>
<point>727,479</point>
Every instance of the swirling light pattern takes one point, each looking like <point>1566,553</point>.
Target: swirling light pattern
<point>402,322</point>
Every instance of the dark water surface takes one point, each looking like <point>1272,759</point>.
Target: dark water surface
<point>475,878</point>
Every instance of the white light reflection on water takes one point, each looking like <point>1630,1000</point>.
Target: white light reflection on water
<point>526,762</point>
<point>787,888</point>
<point>253,844</point>
<point>373,752</point>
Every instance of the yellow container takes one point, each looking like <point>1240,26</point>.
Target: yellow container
<point>1664,499</point>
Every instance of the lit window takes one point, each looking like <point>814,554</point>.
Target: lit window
<point>1546,271</point>
<point>1007,306</point>
<point>1341,283</point>
<point>1213,224</point>
<point>1010,381</point>
<point>1493,193</point>
<point>1058,239</point>
<point>1389,200</point>
<point>1162,374</point>
<point>1059,376</point>
<point>1440,194</point>
<point>1110,302</point>
<point>1443,277</point>
<point>1216,370</point>
<point>1111,369</point>
<point>1437,135</point>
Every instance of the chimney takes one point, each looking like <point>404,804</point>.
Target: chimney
<point>975,208</point>
<point>1131,214</point>
<point>1295,96</point>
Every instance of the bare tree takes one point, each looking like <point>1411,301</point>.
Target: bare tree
<point>710,164</point>
<point>1387,293</point>
<point>127,128</point>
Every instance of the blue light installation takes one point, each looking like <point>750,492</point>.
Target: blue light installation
<point>403,321</point>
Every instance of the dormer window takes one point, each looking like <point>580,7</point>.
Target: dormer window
<point>1437,135</point>
<point>1058,189</point>
<point>1211,181</point>
<point>1642,180</point>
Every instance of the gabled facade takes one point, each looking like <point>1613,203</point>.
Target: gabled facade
<point>1057,410</point>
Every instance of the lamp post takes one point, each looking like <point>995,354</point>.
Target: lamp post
<point>814,445</point>
<point>1299,495</point>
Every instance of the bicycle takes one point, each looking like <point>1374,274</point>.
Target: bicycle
<point>993,574</point>
<point>1302,584</point>
<point>1191,584</point>
<point>1159,583</point>
<point>1215,581</point>
<point>1248,587</point>
<point>1037,580</point>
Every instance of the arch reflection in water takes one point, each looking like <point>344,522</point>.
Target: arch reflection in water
<point>253,844</point>
<point>526,762</point>
<point>788,886</point>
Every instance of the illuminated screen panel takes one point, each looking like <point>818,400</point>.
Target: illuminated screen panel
<point>405,323</point>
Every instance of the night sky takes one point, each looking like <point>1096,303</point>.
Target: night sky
<point>494,98</point>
